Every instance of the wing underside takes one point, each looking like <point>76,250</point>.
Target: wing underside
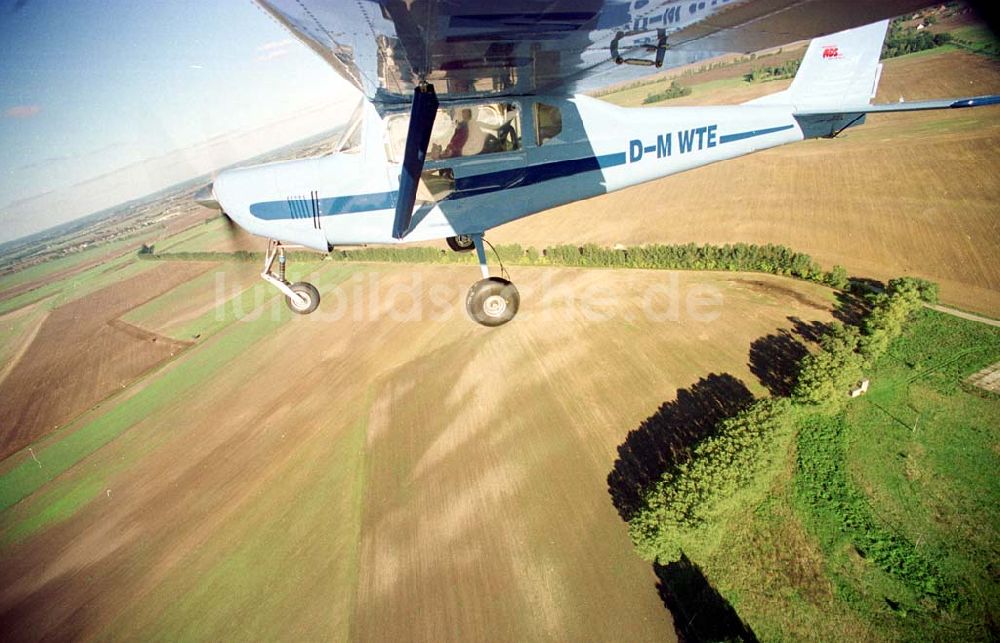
<point>470,48</point>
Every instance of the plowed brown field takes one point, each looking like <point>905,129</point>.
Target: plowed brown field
<point>80,354</point>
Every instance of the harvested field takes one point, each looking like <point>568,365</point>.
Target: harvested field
<point>388,470</point>
<point>173,312</point>
<point>80,354</point>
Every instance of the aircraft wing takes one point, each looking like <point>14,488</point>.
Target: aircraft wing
<point>482,48</point>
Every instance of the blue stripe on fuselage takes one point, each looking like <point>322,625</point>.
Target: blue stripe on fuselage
<point>465,187</point>
<point>292,208</point>
<point>729,138</point>
<point>471,185</point>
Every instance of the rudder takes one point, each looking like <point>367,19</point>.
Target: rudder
<point>840,70</point>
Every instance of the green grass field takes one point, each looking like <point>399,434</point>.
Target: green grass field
<point>200,238</point>
<point>882,522</point>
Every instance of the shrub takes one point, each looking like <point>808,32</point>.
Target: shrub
<point>674,91</point>
<point>719,467</point>
<point>927,290</point>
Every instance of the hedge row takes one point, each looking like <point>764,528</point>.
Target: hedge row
<point>743,257</point>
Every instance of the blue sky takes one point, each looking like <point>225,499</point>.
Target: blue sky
<point>163,89</point>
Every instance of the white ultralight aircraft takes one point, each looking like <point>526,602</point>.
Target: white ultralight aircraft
<point>474,114</point>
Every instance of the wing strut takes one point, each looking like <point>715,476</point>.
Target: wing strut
<point>422,112</point>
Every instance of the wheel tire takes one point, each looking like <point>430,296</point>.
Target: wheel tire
<point>492,302</point>
<point>461,243</point>
<point>309,292</point>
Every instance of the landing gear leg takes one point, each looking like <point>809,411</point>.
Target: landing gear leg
<point>302,297</point>
<point>492,301</point>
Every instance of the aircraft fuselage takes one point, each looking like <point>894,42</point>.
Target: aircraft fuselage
<point>349,198</point>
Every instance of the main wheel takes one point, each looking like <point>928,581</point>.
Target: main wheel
<point>492,302</point>
<point>461,243</point>
<point>307,292</point>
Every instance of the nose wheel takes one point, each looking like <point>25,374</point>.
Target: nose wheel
<point>302,297</point>
<point>461,243</point>
<point>492,301</point>
<point>307,300</point>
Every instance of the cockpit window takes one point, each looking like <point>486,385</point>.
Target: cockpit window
<point>350,137</point>
<point>548,122</point>
<point>471,130</point>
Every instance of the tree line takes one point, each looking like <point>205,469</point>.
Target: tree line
<point>675,507</point>
<point>741,257</point>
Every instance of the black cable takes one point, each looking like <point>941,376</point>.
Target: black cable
<point>503,271</point>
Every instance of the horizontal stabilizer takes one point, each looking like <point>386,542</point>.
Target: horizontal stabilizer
<point>829,123</point>
<point>917,105</point>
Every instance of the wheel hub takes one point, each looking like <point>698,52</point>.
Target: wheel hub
<point>494,305</point>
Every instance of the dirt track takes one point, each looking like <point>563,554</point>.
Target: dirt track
<point>79,355</point>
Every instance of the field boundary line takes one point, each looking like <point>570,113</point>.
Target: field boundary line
<point>26,343</point>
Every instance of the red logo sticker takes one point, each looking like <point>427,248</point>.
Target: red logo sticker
<point>831,52</point>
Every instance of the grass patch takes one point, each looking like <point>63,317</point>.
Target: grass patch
<point>54,506</point>
<point>900,487</point>
<point>189,234</point>
<point>200,238</point>
<point>978,39</point>
<point>288,563</point>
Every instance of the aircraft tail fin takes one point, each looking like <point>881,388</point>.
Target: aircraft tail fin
<point>838,71</point>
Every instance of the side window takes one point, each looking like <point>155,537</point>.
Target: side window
<point>472,130</point>
<point>349,141</point>
<point>548,122</point>
<point>486,128</point>
<point>435,185</point>
<point>395,136</point>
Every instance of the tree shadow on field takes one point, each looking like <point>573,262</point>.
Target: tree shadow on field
<point>852,305</point>
<point>811,331</point>
<point>667,437</point>
<point>700,612</point>
<point>777,358</point>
